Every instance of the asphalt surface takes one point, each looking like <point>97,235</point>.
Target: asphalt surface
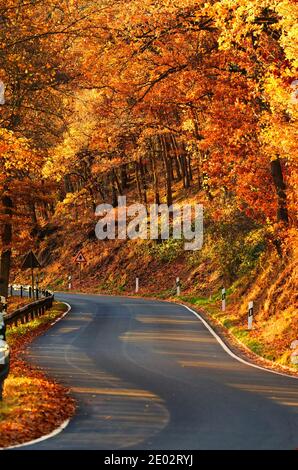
<point>149,375</point>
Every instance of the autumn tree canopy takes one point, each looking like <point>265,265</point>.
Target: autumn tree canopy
<point>104,95</point>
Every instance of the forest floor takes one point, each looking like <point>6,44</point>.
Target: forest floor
<point>33,404</point>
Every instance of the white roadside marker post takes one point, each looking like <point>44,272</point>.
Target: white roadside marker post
<point>223,299</point>
<point>137,285</point>
<point>69,282</point>
<point>294,355</point>
<point>178,285</point>
<point>250,314</point>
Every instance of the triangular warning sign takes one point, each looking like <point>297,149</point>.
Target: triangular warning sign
<point>30,261</point>
<point>80,258</point>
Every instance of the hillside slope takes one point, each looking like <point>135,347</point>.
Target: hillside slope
<point>237,254</point>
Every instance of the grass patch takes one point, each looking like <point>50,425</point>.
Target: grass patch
<point>15,333</point>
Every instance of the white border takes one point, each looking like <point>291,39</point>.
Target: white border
<point>228,350</point>
<point>40,439</point>
<point>63,425</point>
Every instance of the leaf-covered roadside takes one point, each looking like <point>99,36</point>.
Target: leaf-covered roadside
<point>33,404</point>
<point>16,302</point>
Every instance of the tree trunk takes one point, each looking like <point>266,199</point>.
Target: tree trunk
<point>155,176</point>
<point>184,168</point>
<point>32,210</point>
<point>117,182</point>
<point>168,168</point>
<point>123,177</point>
<point>280,187</point>
<point>138,181</point>
<point>190,170</point>
<point>143,180</point>
<point>176,160</point>
<point>199,172</point>
<point>6,239</point>
<point>68,186</point>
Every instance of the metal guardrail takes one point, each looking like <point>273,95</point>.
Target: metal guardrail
<point>30,311</point>
<point>20,315</point>
<point>26,291</point>
<point>44,301</point>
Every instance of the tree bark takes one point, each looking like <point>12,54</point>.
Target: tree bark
<point>138,181</point>
<point>176,159</point>
<point>280,187</point>
<point>6,239</point>
<point>155,175</point>
<point>123,177</point>
<point>143,180</point>
<point>117,182</point>
<point>168,168</point>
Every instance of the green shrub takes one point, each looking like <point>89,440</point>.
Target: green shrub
<point>166,250</point>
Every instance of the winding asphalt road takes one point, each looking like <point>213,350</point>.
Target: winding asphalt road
<point>149,375</point>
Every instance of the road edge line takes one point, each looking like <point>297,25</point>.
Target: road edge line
<point>229,351</point>
<point>207,325</point>
<point>64,314</point>
<point>42,438</point>
<point>63,425</point>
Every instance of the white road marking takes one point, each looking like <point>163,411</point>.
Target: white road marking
<point>64,314</point>
<point>228,350</point>
<point>62,426</point>
<point>40,439</point>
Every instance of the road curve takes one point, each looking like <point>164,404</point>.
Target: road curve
<point>149,375</point>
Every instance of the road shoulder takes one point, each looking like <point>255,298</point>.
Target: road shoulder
<point>33,405</point>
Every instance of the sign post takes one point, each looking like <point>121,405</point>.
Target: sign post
<point>223,299</point>
<point>250,314</point>
<point>137,285</point>
<point>80,259</point>
<point>31,262</point>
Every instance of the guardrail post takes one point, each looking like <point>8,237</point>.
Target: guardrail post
<point>28,312</point>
